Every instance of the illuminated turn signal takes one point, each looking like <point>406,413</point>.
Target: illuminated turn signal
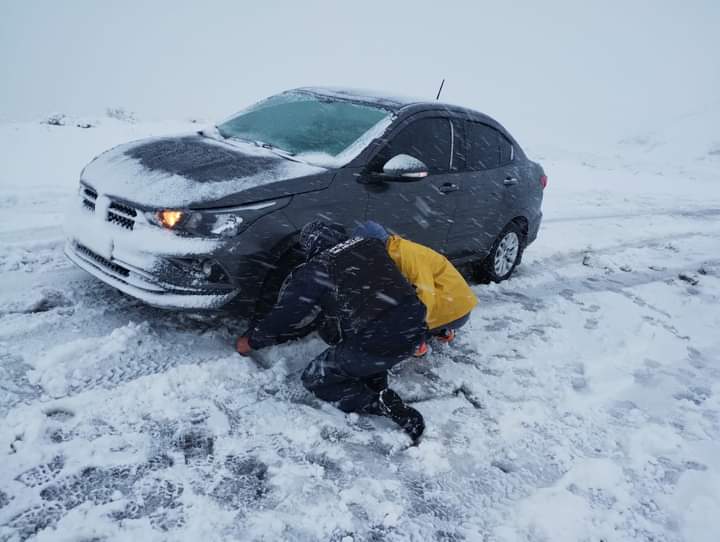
<point>168,218</point>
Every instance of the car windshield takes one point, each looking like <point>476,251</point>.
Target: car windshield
<point>301,123</point>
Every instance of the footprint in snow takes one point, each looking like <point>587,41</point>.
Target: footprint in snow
<point>695,394</point>
<point>59,414</point>
<point>246,483</point>
<point>4,499</point>
<point>42,474</point>
<point>645,377</point>
<point>35,519</point>
<point>591,323</point>
<point>158,500</point>
<point>195,442</point>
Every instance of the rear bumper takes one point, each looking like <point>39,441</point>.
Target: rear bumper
<point>534,228</point>
<point>143,286</point>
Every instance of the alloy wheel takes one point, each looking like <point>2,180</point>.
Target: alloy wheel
<point>506,253</point>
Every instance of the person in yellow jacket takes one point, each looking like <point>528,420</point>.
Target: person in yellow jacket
<point>441,287</point>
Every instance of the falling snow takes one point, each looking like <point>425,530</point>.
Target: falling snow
<point>581,402</point>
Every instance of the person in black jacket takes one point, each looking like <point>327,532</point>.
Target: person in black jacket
<point>370,313</point>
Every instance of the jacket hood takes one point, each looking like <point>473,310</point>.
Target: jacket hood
<point>318,236</point>
<point>196,171</point>
<point>372,230</point>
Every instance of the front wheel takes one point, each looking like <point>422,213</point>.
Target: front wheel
<point>504,256</point>
<point>274,280</point>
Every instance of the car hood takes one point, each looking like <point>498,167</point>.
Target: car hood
<point>194,171</point>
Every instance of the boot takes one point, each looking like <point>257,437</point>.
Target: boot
<point>405,416</point>
<point>422,350</point>
<point>446,336</point>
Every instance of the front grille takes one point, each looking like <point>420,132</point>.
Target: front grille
<point>123,221</point>
<point>122,215</point>
<point>89,196</point>
<point>124,209</point>
<point>102,262</point>
<point>118,213</point>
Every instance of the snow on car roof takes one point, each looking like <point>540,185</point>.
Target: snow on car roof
<point>374,97</point>
<point>391,102</point>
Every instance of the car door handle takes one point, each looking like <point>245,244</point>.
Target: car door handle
<point>509,181</point>
<point>446,188</point>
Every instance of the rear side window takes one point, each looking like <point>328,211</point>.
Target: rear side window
<point>483,146</point>
<point>459,157</point>
<point>428,140</point>
<point>507,153</point>
<point>487,147</point>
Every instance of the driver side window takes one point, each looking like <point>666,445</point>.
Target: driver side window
<point>427,140</point>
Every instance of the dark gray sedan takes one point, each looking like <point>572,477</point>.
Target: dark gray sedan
<point>209,219</point>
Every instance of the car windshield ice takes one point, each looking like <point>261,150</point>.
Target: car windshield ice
<point>301,123</point>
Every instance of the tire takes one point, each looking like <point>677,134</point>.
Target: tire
<point>275,279</point>
<point>274,282</point>
<point>504,256</point>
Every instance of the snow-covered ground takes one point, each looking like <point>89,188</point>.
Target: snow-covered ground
<point>582,402</point>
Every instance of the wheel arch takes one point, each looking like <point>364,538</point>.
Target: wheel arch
<point>285,255</point>
<point>524,225</point>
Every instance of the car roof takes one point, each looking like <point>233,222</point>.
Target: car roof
<point>396,104</point>
<point>370,97</point>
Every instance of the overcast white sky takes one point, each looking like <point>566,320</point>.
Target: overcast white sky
<point>566,70</point>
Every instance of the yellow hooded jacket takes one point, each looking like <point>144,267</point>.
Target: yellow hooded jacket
<point>439,285</point>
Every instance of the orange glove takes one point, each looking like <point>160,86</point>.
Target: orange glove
<point>242,345</point>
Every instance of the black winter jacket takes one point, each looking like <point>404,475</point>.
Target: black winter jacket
<point>356,285</point>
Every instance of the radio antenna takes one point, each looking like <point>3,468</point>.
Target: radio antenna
<point>440,90</point>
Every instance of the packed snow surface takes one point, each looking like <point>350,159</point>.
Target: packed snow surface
<point>581,403</point>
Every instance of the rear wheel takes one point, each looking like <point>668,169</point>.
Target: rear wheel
<point>504,256</point>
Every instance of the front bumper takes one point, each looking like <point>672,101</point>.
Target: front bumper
<point>141,260</point>
<point>118,276</point>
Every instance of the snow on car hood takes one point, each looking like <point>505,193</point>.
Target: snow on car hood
<point>192,171</point>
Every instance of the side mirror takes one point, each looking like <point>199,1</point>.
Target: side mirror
<point>404,166</point>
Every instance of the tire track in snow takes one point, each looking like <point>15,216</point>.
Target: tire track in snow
<point>500,473</point>
<point>695,213</point>
<point>570,256</point>
<point>162,357</point>
<point>532,297</point>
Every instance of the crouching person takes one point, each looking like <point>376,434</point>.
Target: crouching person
<point>441,287</point>
<point>380,321</point>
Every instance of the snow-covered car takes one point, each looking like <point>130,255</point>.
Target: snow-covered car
<point>204,219</point>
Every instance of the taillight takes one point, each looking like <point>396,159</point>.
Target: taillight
<point>543,181</point>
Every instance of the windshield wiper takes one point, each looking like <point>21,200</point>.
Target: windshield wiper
<point>282,153</point>
<point>271,147</point>
<point>229,136</point>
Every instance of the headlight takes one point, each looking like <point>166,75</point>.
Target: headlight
<point>169,218</point>
<point>222,222</point>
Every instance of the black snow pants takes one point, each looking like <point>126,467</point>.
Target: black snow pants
<point>352,373</point>
<point>350,377</point>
